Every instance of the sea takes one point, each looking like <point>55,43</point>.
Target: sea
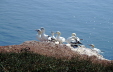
<point>91,20</point>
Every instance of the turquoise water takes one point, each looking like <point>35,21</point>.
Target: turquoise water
<point>91,20</point>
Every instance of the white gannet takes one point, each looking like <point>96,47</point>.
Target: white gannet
<point>59,38</point>
<point>71,39</point>
<point>77,38</point>
<point>52,35</point>
<point>39,34</point>
<point>95,49</point>
<point>43,35</point>
<point>53,38</point>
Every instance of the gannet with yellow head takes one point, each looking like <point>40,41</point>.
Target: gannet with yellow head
<point>59,38</point>
<point>71,39</point>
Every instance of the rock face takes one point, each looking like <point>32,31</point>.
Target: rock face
<point>54,50</point>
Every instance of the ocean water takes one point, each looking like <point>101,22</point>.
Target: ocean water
<point>91,20</point>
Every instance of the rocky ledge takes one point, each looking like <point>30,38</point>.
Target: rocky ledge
<point>56,50</point>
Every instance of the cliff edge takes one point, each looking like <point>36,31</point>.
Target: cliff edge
<point>56,50</point>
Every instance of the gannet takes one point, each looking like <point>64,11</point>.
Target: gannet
<point>39,35</point>
<point>52,35</point>
<point>71,39</point>
<point>53,39</point>
<point>43,35</point>
<point>92,45</point>
<point>95,49</point>
<point>77,38</point>
<point>59,38</point>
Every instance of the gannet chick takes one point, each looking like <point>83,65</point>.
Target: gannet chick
<point>59,38</point>
<point>43,35</point>
<point>95,49</point>
<point>39,35</point>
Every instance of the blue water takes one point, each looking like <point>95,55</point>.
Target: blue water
<point>91,20</point>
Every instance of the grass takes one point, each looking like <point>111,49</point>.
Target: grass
<point>32,62</point>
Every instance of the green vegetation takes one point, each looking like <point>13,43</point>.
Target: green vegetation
<point>31,62</point>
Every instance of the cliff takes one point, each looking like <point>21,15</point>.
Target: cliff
<point>56,50</point>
